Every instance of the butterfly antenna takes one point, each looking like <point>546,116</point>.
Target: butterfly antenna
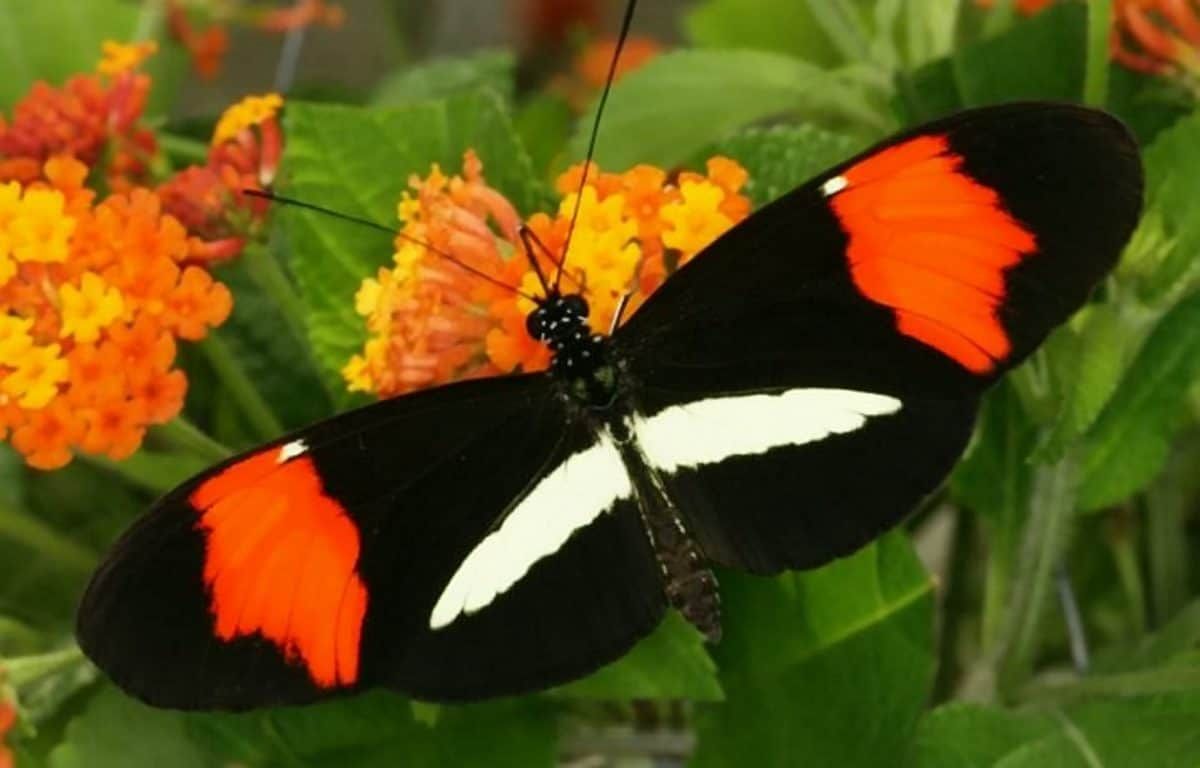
<point>527,237</point>
<point>612,71</point>
<point>265,195</point>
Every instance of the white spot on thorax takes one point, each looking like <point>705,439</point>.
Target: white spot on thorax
<point>291,451</point>
<point>709,431</point>
<point>834,185</point>
<point>571,496</point>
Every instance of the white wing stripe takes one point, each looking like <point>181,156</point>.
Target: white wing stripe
<point>574,494</point>
<point>709,431</point>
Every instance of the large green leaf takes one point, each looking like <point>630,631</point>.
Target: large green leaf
<point>829,667</point>
<point>766,25</point>
<point>441,78</point>
<point>1129,442</point>
<point>115,730</point>
<point>358,161</point>
<point>1038,58</point>
<point>678,103</point>
<point>781,158</point>
<point>379,729</point>
<point>51,40</point>
<point>1114,733</point>
<point>672,663</point>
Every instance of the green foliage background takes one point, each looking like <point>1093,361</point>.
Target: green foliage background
<point>1084,470</point>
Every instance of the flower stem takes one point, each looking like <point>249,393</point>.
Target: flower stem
<point>253,405</point>
<point>269,276</point>
<point>21,527</point>
<point>184,434</point>
<point>1045,541</point>
<point>183,147</point>
<point>1095,83</point>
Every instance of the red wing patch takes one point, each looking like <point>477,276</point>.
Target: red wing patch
<point>933,244</point>
<point>280,561</point>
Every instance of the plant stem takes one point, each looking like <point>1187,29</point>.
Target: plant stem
<point>183,147</point>
<point>1045,540</point>
<point>1095,83</point>
<point>268,275</point>
<point>1124,552</point>
<point>247,396</point>
<point>184,434</point>
<point>1166,543</point>
<point>23,528</point>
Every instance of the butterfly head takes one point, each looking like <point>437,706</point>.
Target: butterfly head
<point>580,356</point>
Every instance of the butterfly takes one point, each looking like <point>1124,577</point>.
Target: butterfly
<point>788,395</point>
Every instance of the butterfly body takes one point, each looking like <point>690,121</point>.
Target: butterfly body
<point>792,392</point>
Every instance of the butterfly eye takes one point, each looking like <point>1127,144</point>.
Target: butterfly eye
<point>575,305</point>
<point>535,324</point>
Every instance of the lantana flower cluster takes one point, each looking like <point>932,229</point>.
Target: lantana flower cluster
<point>1155,37</point>
<point>429,321</point>
<point>97,289</point>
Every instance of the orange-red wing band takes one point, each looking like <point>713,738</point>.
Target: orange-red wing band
<point>280,561</point>
<point>932,244</point>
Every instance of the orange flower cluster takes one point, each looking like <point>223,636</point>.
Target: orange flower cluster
<point>430,321</point>
<point>246,146</point>
<point>207,44</point>
<point>93,114</point>
<point>95,292</point>
<point>1158,37</point>
<point>92,298</point>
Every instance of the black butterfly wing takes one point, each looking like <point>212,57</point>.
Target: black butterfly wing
<point>313,566</point>
<point>921,270</point>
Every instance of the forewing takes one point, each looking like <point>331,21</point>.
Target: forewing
<point>921,270</point>
<point>311,567</point>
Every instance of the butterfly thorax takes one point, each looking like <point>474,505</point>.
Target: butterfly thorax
<point>581,358</point>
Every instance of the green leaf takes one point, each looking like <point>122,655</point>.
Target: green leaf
<point>77,30</point>
<point>379,729</point>
<point>441,78</point>
<point>278,363</point>
<point>358,161</point>
<point>678,103</point>
<point>782,158</point>
<point>1128,444</point>
<point>544,123</point>
<point>1128,731</point>
<point>1039,58</point>
<point>1173,181</point>
<point>767,25</point>
<point>995,476</point>
<point>115,730</point>
<point>1089,377</point>
<point>833,665</point>
<point>672,663</point>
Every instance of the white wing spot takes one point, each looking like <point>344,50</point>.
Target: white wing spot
<point>291,451</point>
<point>709,431</point>
<point>834,185</point>
<point>571,496</point>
